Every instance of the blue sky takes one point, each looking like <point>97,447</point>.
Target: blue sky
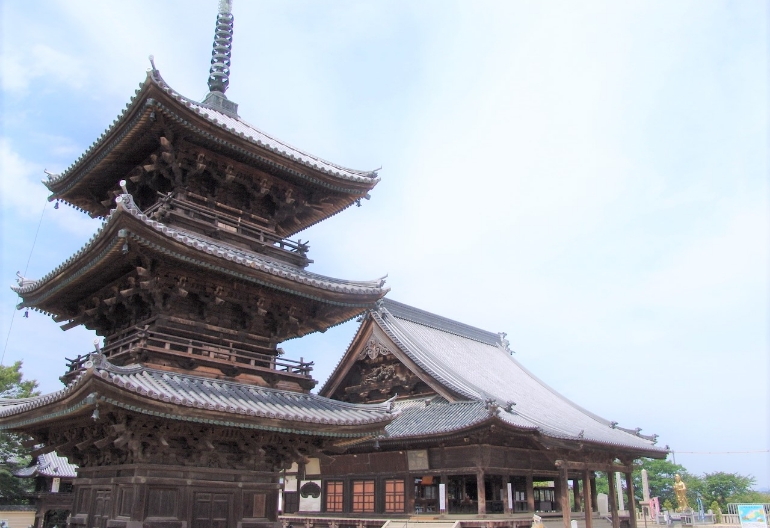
<point>590,179</point>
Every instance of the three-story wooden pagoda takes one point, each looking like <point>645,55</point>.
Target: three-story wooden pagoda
<point>186,413</point>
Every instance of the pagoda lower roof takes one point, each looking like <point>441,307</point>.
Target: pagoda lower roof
<point>185,397</point>
<point>127,222</point>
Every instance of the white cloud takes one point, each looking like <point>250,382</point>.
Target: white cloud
<point>40,64</point>
<point>23,196</point>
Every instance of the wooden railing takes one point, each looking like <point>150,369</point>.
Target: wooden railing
<point>158,341</point>
<point>229,222</point>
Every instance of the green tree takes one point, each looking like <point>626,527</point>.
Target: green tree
<point>750,497</point>
<point>13,455</point>
<point>721,487</point>
<point>717,512</point>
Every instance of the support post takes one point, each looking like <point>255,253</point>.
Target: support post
<point>410,494</point>
<point>612,499</point>
<point>576,494</point>
<point>594,500</point>
<point>508,507</point>
<point>631,499</point>
<point>589,510</point>
<point>563,493</point>
<point>481,493</point>
<point>530,494</point>
<point>619,487</point>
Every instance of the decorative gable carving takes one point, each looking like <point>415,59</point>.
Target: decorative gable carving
<point>374,347</point>
<point>376,374</point>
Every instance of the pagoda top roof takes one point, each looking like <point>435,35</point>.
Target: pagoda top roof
<point>114,230</point>
<point>198,399</point>
<point>214,125</point>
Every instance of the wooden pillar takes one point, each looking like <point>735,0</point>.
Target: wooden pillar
<point>576,494</point>
<point>409,489</point>
<point>564,494</point>
<point>507,508</point>
<point>530,494</point>
<point>481,493</point>
<point>587,497</point>
<point>612,499</point>
<point>594,500</point>
<point>631,499</point>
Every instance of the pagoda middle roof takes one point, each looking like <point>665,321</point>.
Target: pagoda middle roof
<point>146,390</point>
<point>117,228</point>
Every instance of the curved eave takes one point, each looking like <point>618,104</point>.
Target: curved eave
<point>127,225</point>
<point>90,389</point>
<point>536,433</point>
<point>154,96</point>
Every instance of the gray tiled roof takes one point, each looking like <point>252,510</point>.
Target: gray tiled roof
<point>49,465</point>
<point>481,370</point>
<point>417,419</point>
<point>248,259</point>
<point>245,402</point>
<point>410,313</point>
<point>234,125</point>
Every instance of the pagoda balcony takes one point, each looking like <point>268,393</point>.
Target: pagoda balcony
<point>222,222</point>
<point>198,355</point>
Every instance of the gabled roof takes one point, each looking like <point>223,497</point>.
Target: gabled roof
<point>49,465</point>
<point>247,265</point>
<point>146,390</point>
<point>129,131</point>
<point>478,366</point>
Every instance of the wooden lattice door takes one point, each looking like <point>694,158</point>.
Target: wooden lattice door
<point>101,508</point>
<point>212,510</point>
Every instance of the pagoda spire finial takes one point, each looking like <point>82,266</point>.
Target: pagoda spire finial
<point>219,74</point>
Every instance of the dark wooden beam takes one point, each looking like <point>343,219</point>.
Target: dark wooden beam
<point>563,492</point>
<point>587,498</point>
<point>631,499</point>
<point>613,499</point>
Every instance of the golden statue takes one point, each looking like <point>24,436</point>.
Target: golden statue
<point>681,493</point>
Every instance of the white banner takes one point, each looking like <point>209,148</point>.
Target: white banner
<point>442,497</point>
<point>510,497</point>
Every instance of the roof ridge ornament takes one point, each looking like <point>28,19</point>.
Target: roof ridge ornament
<point>504,344</point>
<point>219,73</point>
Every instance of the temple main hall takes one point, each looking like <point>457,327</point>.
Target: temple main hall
<point>188,414</point>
